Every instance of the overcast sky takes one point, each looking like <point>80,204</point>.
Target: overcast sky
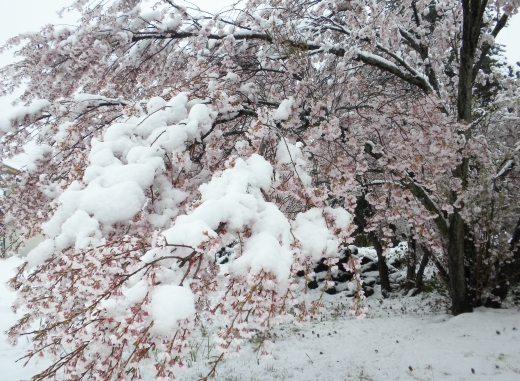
<point>19,16</point>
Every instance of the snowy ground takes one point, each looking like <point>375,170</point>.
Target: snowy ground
<point>401,339</point>
<point>397,341</point>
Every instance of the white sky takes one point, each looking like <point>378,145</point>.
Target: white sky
<point>19,16</point>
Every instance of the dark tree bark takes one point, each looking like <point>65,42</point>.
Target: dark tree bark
<point>361,213</point>
<point>473,12</point>
<point>516,237</point>
<point>499,292</point>
<point>381,263</point>
<point>460,299</point>
<point>411,264</point>
<point>420,273</point>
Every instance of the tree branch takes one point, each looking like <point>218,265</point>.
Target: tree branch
<point>383,64</point>
<point>501,23</point>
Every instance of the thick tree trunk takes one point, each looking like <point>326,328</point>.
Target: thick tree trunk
<point>473,11</point>
<point>460,301</point>
<point>381,262</point>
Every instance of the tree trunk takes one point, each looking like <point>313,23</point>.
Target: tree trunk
<point>501,288</point>
<point>420,273</point>
<point>361,213</point>
<point>516,237</point>
<point>460,301</point>
<point>381,263</point>
<point>473,11</point>
<point>411,264</point>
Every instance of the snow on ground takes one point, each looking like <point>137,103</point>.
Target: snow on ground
<point>402,338</point>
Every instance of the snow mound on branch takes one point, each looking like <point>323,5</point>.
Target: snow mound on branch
<point>155,104</point>
<point>170,304</point>
<point>284,110</point>
<point>263,252</point>
<point>292,156</point>
<point>107,205</point>
<point>19,113</point>
<point>40,253</point>
<point>118,308</point>
<point>316,239</point>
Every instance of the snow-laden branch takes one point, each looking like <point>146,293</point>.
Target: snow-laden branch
<point>508,165</point>
<point>418,80</point>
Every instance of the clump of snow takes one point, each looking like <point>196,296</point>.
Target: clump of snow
<point>17,114</point>
<point>116,203</point>
<point>316,240</point>
<point>5,124</point>
<point>40,253</point>
<point>173,23</point>
<point>81,230</point>
<point>169,305</point>
<point>264,252</point>
<point>292,156</point>
<point>249,89</point>
<point>118,308</point>
<point>284,110</point>
<point>36,154</point>
<point>200,118</point>
<point>155,104</point>
<point>232,77</point>
<point>342,218</point>
<point>83,101</point>
<point>189,233</point>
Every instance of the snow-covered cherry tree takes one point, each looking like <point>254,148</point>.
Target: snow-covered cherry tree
<point>185,166</point>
